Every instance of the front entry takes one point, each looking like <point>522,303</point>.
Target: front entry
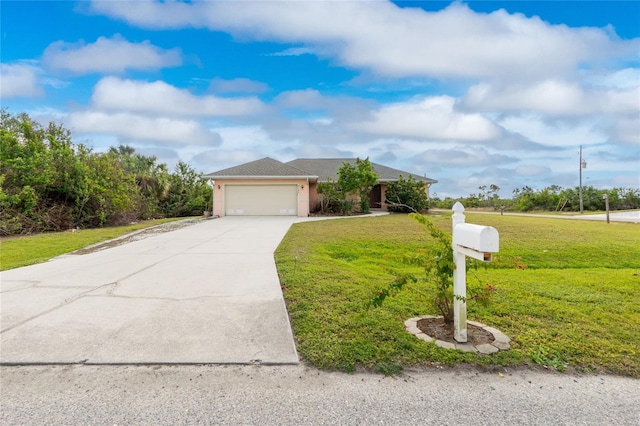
<point>375,197</point>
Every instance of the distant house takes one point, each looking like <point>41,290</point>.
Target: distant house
<point>268,187</point>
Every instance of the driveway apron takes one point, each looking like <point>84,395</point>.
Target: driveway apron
<point>207,293</point>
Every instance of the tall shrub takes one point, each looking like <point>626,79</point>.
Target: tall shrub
<point>406,195</point>
<point>358,179</point>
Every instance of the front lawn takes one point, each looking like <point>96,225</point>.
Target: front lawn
<point>568,293</point>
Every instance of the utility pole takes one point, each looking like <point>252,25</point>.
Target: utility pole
<point>583,165</point>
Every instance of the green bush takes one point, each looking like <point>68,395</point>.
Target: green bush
<point>406,195</point>
<point>356,180</point>
<point>48,183</point>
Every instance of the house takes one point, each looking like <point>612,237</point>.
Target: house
<point>268,187</point>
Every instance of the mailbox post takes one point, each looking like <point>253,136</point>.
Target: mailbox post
<point>467,240</point>
<point>459,280</point>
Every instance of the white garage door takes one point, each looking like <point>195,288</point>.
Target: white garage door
<point>261,200</point>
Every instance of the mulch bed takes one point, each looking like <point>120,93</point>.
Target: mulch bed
<point>438,329</point>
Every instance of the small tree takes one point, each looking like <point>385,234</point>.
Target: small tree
<point>407,195</point>
<point>359,180</point>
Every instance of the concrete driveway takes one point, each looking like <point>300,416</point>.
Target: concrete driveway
<point>207,293</point>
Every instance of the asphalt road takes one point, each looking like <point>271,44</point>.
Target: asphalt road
<point>299,395</point>
<point>632,216</point>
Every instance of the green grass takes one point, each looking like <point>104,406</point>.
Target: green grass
<point>28,250</point>
<point>573,302</point>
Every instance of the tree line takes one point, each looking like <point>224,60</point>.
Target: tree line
<point>551,198</point>
<point>50,183</point>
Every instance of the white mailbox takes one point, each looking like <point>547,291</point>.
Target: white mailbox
<point>476,241</point>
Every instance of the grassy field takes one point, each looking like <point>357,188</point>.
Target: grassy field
<point>31,249</point>
<point>568,294</point>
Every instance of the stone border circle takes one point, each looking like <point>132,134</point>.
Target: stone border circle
<point>500,342</point>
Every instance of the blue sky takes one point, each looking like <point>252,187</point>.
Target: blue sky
<point>467,93</point>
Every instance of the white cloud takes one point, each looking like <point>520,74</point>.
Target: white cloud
<point>44,114</point>
<point>218,159</point>
<point>340,108</point>
<point>625,131</point>
<point>106,55</point>
<point>611,116</point>
<point>162,154</point>
<point>626,156</point>
<point>626,78</point>
<point>463,156</point>
<point>112,93</point>
<point>573,133</point>
<point>308,150</point>
<point>324,121</point>
<point>304,99</point>
<point>552,97</point>
<point>532,170</point>
<point>591,109</point>
<point>246,143</point>
<point>150,14</point>
<point>247,138</point>
<point>622,102</point>
<point>135,128</point>
<point>508,178</point>
<point>395,41</point>
<point>431,118</point>
<point>19,80</point>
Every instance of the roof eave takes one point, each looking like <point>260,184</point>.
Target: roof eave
<point>425,180</point>
<point>235,177</point>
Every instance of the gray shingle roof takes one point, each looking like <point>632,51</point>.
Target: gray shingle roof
<point>266,167</point>
<point>328,168</point>
<point>320,168</point>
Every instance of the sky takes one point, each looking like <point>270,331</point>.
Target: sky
<point>467,93</point>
